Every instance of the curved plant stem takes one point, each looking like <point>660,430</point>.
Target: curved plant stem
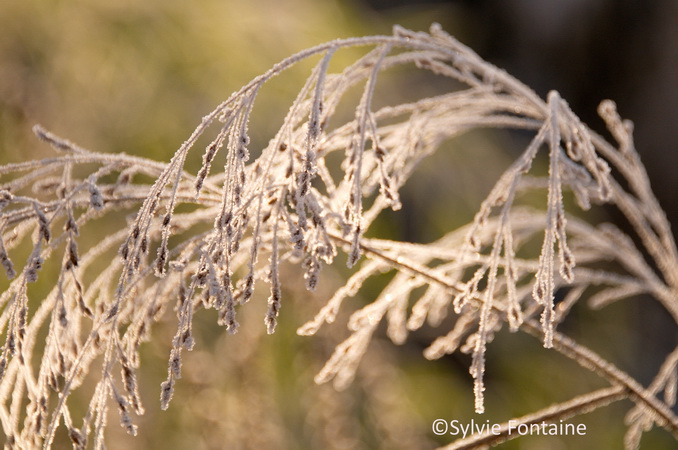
<point>581,404</point>
<point>583,356</point>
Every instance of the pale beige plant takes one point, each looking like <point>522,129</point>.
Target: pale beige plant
<point>206,240</point>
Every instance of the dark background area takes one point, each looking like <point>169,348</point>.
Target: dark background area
<point>624,50</point>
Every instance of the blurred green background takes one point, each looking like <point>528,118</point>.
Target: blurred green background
<point>137,77</point>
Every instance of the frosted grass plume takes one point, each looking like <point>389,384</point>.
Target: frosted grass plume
<point>284,204</point>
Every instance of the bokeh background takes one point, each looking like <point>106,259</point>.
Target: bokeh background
<point>136,77</point>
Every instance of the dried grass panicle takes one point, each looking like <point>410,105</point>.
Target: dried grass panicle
<point>284,204</point>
